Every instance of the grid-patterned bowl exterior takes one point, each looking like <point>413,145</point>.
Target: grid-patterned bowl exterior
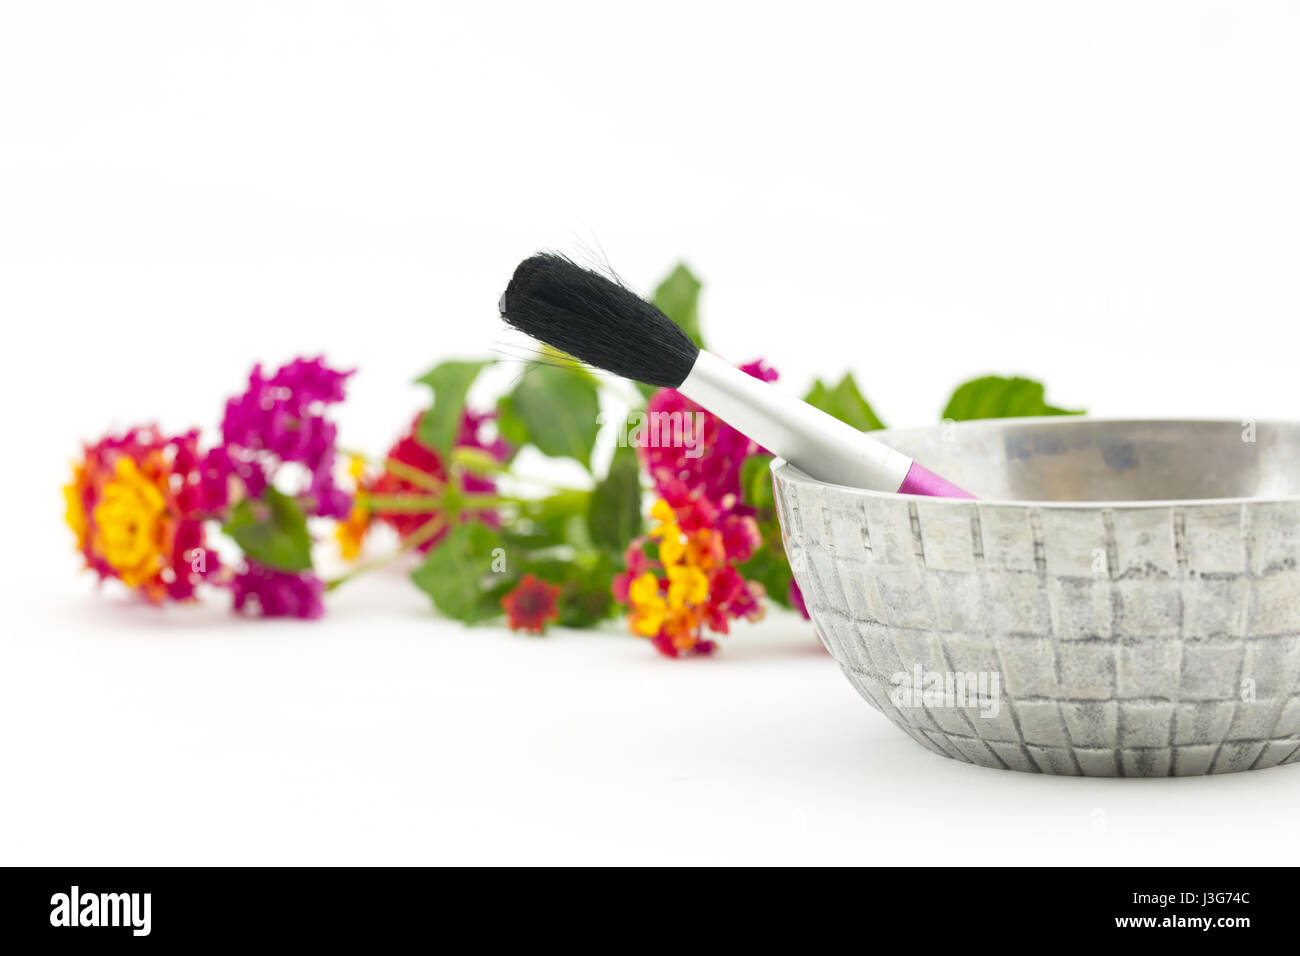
<point>1130,641</point>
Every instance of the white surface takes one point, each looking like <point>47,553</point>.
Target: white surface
<point>1100,195</point>
<point>385,736</point>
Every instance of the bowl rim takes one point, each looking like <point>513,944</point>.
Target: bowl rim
<point>782,468</point>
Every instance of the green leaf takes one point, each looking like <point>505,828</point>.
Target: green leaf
<point>546,522</point>
<point>845,402</point>
<point>272,530</point>
<point>994,396</point>
<point>458,574</point>
<point>509,426</point>
<point>770,568</point>
<point>585,602</point>
<point>756,482</point>
<point>450,382</point>
<point>559,410</point>
<point>614,515</point>
<point>768,565</point>
<point>678,297</point>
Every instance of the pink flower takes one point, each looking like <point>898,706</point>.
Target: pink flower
<point>270,592</point>
<point>281,419</point>
<point>715,474</point>
<point>740,537</point>
<point>637,564</point>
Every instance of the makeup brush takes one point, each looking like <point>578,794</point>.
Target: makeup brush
<point>594,319</point>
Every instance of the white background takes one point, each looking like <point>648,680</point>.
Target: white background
<point>1101,195</point>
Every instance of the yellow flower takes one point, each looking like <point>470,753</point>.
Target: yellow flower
<point>131,525</point>
<point>671,551</point>
<point>75,514</point>
<point>686,585</point>
<point>351,532</point>
<point>648,609</point>
<point>356,468</point>
<point>669,533</point>
<point>664,512</point>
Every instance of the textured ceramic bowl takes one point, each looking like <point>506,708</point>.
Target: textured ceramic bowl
<point>1130,590</point>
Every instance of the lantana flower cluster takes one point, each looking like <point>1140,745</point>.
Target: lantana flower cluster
<point>683,581</point>
<point>137,504</point>
<point>280,420</point>
<point>692,586</point>
<point>140,503</point>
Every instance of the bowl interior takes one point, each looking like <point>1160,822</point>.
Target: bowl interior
<point>1072,458</point>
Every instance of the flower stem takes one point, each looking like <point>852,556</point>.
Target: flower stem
<point>483,465</point>
<point>415,476</point>
<point>403,504</point>
<point>418,537</point>
<point>418,504</point>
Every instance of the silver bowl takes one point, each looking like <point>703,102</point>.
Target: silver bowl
<point>1123,600</point>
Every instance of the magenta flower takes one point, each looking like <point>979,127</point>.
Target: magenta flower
<point>715,473</point>
<point>281,419</point>
<point>270,592</point>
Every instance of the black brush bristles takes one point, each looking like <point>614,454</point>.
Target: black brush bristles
<point>594,319</point>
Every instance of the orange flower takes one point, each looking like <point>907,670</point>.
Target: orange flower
<point>351,531</point>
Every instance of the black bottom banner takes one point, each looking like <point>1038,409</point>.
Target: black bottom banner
<point>374,906</point>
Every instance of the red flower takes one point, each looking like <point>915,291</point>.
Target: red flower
<point>417,456</point>
<point>531,604</point>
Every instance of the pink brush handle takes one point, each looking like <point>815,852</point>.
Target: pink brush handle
<point>922,481</point>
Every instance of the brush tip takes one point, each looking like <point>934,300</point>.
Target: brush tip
<point>596,320</point>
